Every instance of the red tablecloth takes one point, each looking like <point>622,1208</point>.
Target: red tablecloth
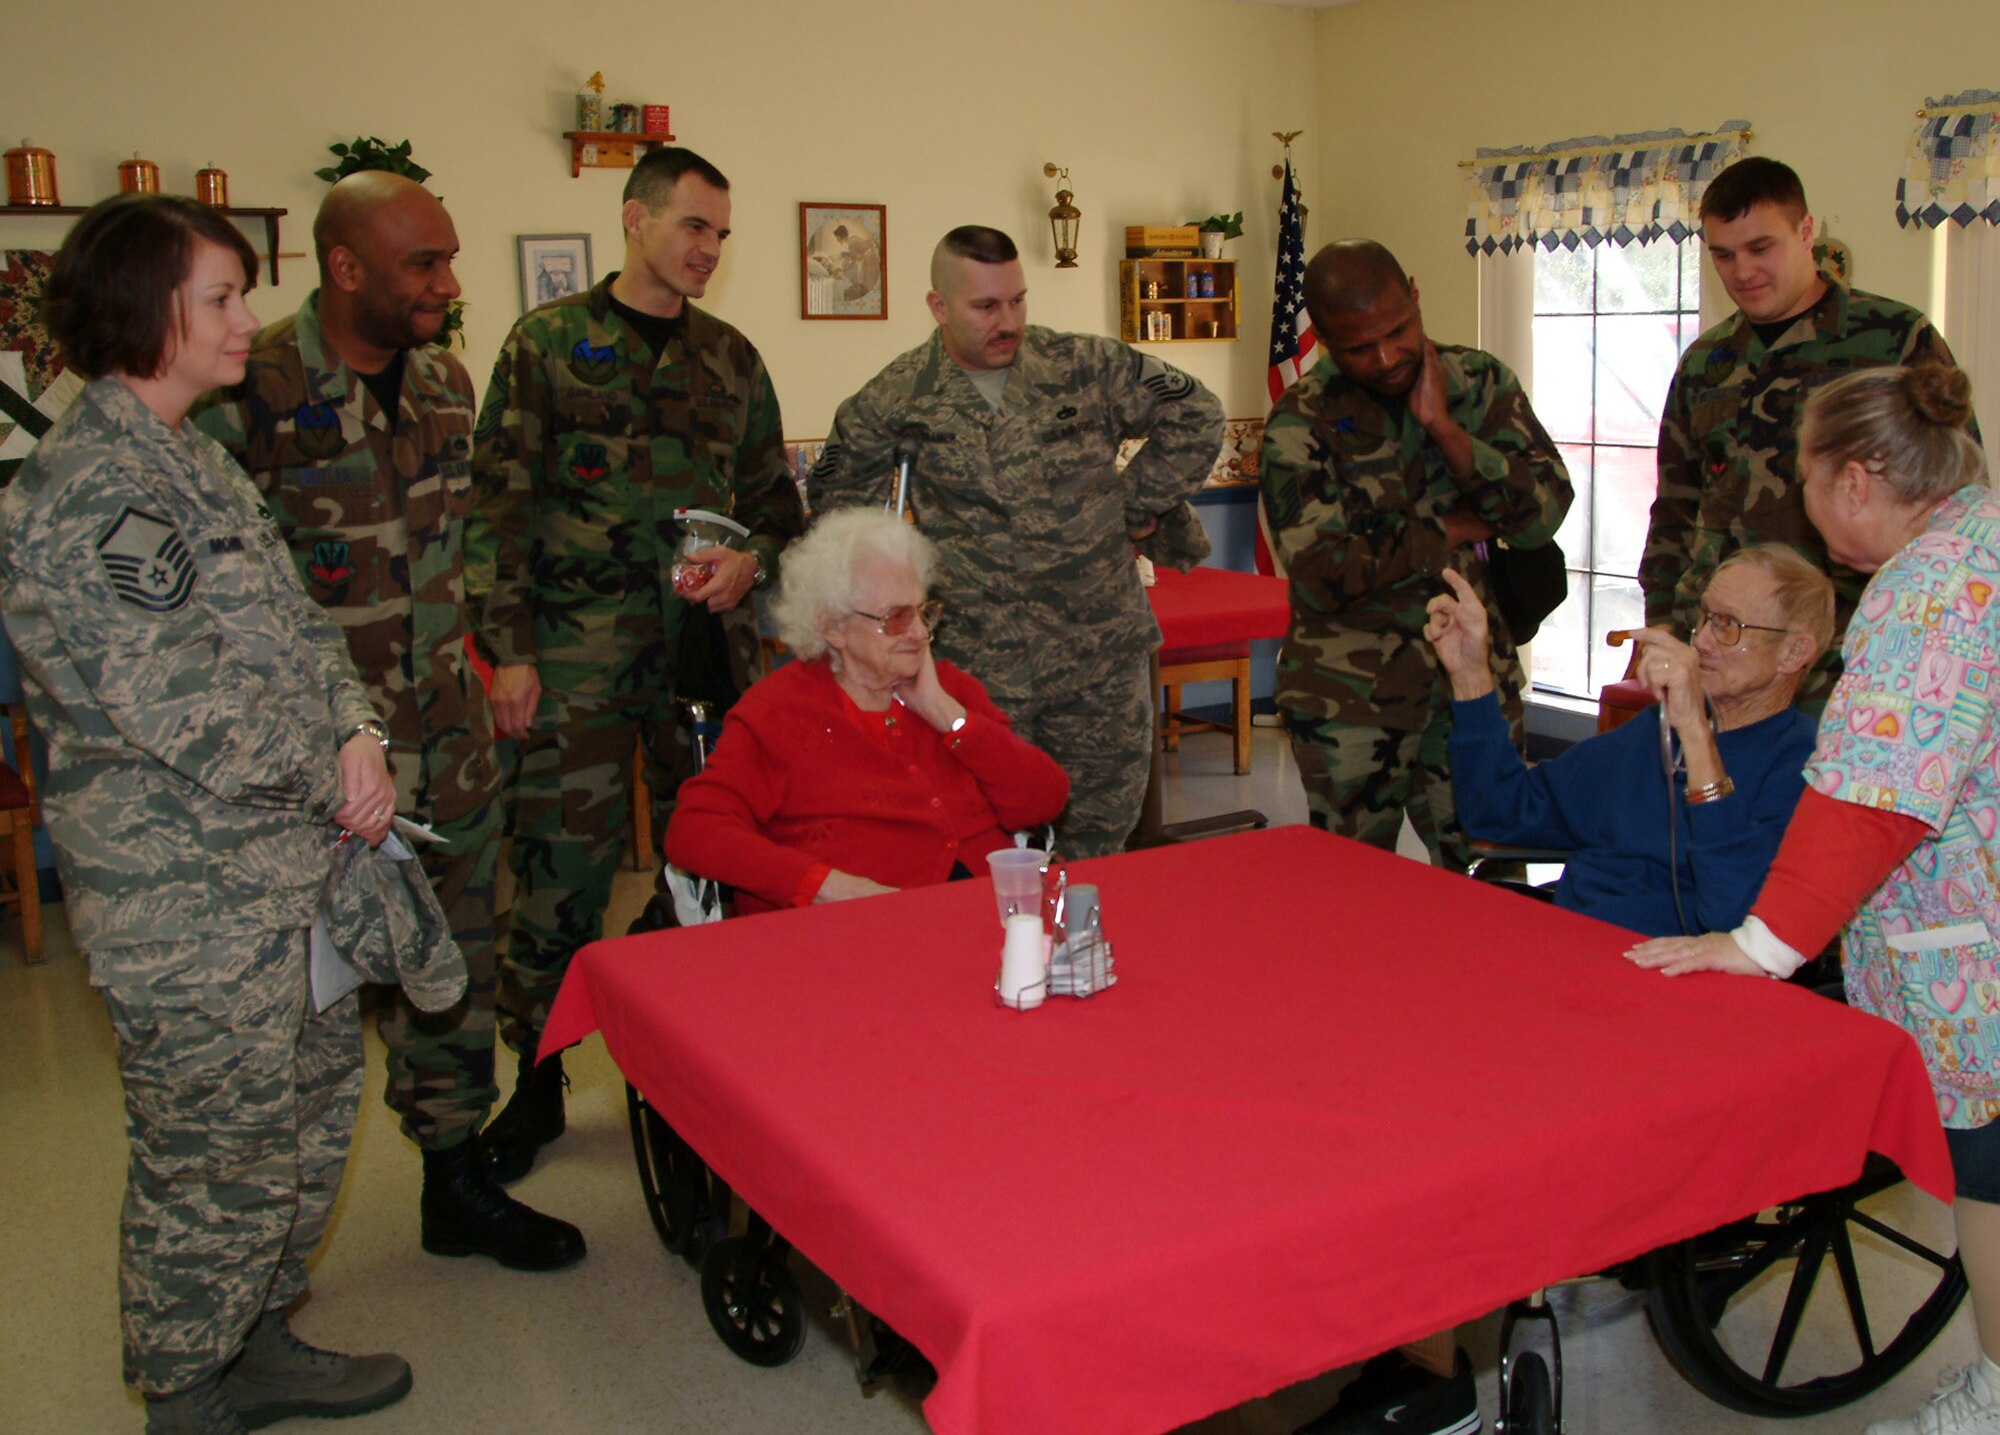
<point>1217,605</point>
<point>1337,1100</point>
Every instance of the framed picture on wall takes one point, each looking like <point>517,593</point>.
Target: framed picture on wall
<point>553,266</point>
<point>843,261</point>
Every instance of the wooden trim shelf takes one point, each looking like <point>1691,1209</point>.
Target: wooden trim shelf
<point>609,149</point>
<point>269,216</point>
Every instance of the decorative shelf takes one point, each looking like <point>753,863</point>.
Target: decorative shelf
<point>608,149</point>
<point>269,216</point>
<point>1187,318</point>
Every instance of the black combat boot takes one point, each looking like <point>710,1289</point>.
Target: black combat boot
<point>532,1117</point>
<point>466,1213</point>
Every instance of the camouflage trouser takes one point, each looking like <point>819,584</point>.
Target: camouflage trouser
<point>440,1064</point>
<point>572,794</point>
<point>1360,781</point>
<point>1103,739</point>
<point>239,1104</point>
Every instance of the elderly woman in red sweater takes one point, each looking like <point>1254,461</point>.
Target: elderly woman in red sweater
<point>866,765</point>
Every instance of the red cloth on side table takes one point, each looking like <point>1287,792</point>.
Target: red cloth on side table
<point>1218,605</point>
<point>1338,1100</point>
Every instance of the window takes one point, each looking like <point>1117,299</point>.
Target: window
<point>1610,324</point>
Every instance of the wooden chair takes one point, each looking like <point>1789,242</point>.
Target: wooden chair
<point>21,814</point>
<point>1621,701</point>
<point>1219,661</point>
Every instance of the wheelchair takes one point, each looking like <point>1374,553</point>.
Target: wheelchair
<point>1728,1308</point>
<point>748,1292</point>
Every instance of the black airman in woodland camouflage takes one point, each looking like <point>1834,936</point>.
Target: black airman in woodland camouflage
<point>1016,482</point>
<point>1728,457</point>
<point>1391,460</point>
<point>359,433</point>
<point>606,412</point>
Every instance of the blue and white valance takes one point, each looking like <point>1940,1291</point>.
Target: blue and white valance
<point>1621,189</point>
<point>1951,172</point>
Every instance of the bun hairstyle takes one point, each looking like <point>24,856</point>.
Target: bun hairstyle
<point>1905,425</point>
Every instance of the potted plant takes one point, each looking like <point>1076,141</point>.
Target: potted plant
<point>370,152</point>
<point>1215,229</point>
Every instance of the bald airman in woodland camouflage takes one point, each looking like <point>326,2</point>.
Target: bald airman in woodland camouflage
<point>1728,449</point>
<point>1015,479</point>
<point>1391,460</point>
<point>358,430</point>
<point>606,412</point>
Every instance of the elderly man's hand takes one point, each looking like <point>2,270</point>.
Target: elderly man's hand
<point>731,574</point>
<point>1457,629</point>
<point>1677,956</point>
<point>1671,670</point>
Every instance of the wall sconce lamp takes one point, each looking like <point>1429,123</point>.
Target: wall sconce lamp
<point>1063,218</point>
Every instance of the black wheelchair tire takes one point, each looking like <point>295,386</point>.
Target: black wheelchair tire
<point>671,1176</point>
<point>1530,1397</point>
<point>1692,1285</point>
<point>753,1301</point>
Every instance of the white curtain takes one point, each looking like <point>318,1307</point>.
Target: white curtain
<point>1507,311</point>
<point>1966,295</point>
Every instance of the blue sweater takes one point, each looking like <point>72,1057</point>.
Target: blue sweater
<point>1605,800</point>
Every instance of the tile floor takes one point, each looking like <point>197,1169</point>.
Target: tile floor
<point>617,1344</point>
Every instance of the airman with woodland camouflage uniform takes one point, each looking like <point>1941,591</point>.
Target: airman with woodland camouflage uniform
<point>606,412</point>
<point>207,737</point>
<point>358,430</point>
<point>1728,448</point>
<point>1382,466</point>
<point>1016,482</point>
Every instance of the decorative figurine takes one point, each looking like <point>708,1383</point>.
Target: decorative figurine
<point>590,103</point>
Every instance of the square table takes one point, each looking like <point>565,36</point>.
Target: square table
<point>1338,1100</point>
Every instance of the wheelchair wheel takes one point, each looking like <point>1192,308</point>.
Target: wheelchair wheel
<point>753,1300</point>
<point>1729,1307</point>
<point>1530,1401</point>
<point>672,1178</point>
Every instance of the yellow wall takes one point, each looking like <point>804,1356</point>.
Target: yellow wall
<point>943,109</point>
<point>1409,87</point>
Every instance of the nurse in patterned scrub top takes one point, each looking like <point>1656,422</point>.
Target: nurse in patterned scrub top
<point>1896,838</point>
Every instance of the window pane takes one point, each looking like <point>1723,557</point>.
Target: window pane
<point>1615,603</point>
<point>1574,535</point>
<point>1561,661</point>
<point>1563,358</point>
<point>1636,278</point>
<point>1626,481</point>
<point>1562,281</point>
<point>1636,354</point>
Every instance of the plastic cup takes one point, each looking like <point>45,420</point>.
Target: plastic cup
<point>1017,880</point>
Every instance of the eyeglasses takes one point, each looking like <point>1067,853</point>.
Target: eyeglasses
<point>896,622</point>
<point>1729,631</point>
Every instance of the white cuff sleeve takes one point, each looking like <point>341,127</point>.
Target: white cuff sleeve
<point>1766,949</point>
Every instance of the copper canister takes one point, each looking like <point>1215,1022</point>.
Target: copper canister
<point>139,176</point>
<point>31,175</point>
<point>211,186</point>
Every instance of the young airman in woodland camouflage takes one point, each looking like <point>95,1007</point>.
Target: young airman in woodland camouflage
<point>1385,464</point>
<point>1015,481</point>
<point>606,412</point>
<point>207,738</point>
<point>1728,460</point>
<point>358,430</point>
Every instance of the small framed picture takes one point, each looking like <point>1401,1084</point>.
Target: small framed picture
<point>553,266</point>
<point>844,261</point>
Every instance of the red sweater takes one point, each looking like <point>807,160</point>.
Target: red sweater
<point>795,782</point>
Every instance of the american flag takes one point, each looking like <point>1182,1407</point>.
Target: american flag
<point>1292,337</point>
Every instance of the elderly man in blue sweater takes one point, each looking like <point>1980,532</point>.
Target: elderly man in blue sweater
<point>1739,748</point>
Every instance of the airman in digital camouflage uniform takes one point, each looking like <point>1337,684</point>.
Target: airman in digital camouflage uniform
<point>359,432</point>
<point>1387,462</point>
<point>206,733</point>
<point>607,411</point>
<point>1016,483</point>
<point>1728,460</point>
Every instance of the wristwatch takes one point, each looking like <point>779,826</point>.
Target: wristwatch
<point>757,579</point>
<point>374,728</point>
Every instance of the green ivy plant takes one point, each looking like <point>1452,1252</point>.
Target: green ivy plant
<point>371,152</point>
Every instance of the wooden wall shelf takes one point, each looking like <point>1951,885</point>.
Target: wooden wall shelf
<point>608,149</point>
<point>1185,317</point>
<point>269,216</point>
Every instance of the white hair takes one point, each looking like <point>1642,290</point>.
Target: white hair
<point>818,576</point>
